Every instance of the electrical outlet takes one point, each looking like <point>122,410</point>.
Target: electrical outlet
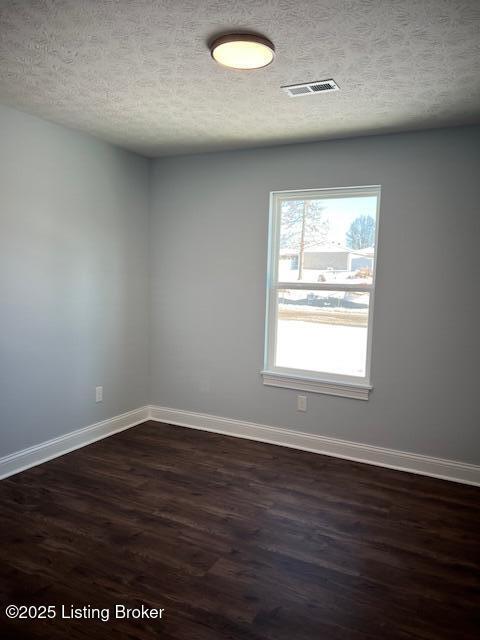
<point>301,403</point>
<point>98,394</point>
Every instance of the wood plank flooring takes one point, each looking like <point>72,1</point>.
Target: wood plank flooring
<point>237,540</point>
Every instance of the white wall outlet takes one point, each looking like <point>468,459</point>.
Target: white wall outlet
<point>301,403</point>
<point>98,394</point>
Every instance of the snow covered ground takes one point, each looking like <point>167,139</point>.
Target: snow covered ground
<point>316,346</point>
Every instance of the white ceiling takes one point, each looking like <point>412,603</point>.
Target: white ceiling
<point>138,72</point>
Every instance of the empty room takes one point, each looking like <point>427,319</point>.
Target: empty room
<point>239,319</point>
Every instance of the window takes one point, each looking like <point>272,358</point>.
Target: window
<point>320,290</point>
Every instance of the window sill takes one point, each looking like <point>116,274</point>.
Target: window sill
<point>314,385</point>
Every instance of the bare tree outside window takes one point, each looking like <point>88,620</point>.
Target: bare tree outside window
<point>361,233</point>
<point>304,225</point>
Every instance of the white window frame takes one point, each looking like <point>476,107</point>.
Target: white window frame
<point>316,382</point>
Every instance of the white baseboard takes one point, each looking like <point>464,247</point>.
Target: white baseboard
<point>400,460</point>
<point>26,458</point>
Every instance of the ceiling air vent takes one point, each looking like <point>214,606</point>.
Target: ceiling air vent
<point>311,88</point>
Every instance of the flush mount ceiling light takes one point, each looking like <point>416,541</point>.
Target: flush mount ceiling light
<point>242,51</point>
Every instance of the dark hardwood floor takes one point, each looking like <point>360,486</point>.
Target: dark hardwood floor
<point>237,540</point>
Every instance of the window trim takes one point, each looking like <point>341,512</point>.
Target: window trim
<point>316,382</point>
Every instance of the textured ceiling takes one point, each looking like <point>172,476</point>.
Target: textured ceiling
<point>138,72</point>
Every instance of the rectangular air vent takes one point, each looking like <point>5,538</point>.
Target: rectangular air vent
<point>311,88</point>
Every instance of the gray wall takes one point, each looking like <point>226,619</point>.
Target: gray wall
<point>208,262</point>
<point>73,280</point>
<point>74,284</point>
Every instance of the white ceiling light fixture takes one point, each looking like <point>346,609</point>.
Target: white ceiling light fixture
<point>242,51</point>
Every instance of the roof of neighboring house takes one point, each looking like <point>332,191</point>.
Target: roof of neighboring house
<point>319,248</point>
<point>368,252</point>
<point>325,248</point>
<point>331,248</point>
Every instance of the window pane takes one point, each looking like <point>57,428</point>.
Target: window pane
<point>322,331</point>
<point>327,240</point>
